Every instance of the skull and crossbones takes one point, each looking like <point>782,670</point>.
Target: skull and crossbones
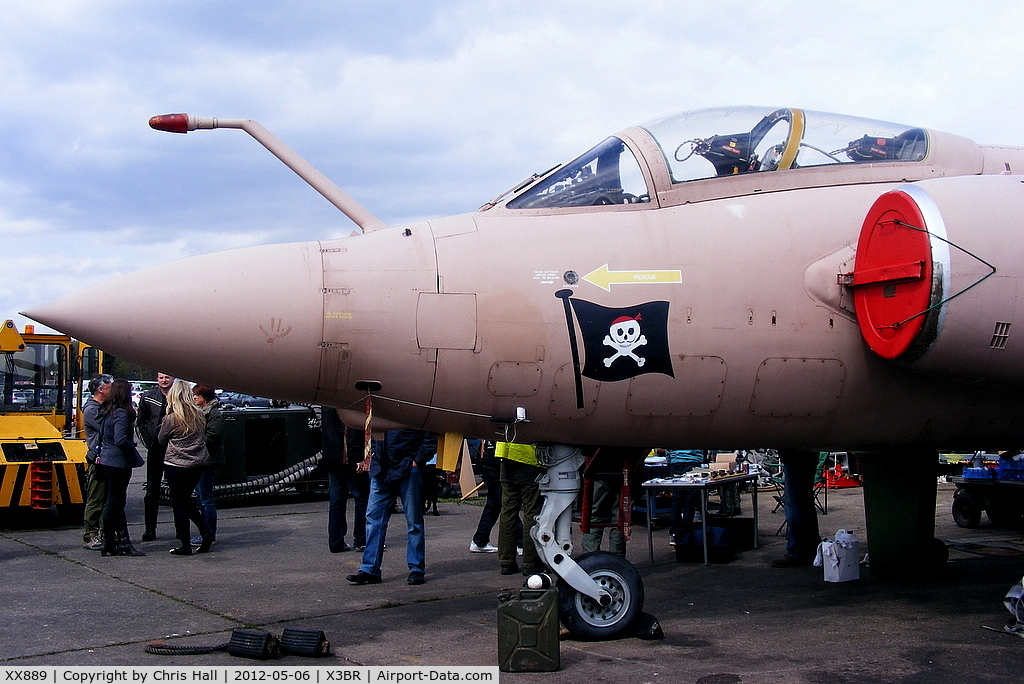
<point>624,336</point>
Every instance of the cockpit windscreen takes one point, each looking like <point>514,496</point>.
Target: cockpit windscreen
<point>606,174</point>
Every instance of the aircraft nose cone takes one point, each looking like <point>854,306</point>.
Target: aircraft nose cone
<point>190,318</point>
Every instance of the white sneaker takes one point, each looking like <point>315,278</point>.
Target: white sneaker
<point>489,548</point>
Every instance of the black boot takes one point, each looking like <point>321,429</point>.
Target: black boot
<point>184,547</point>
<point>207,542</point>
<point>124,544</point>
<point>109,541</point>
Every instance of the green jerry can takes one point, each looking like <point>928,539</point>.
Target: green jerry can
<point>528,630</point>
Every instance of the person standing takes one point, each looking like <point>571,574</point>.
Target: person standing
<point>96,492</point>
<point>152,409</point>
<point>206,399</point>
<point>608,470</point>
<point>116,457</point>
<point>183,434</point>
<point>490,474</point>
<point>342,450</point>
<point>394,473</point>
<point>800,469</point>
<point>684,502</point>
<point>520,505</point>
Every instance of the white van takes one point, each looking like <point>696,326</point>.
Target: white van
<point>140,386</point>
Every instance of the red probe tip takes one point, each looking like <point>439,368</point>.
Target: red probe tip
<point>172,123</point>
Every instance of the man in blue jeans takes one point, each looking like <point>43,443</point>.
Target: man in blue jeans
<point>394,474</point>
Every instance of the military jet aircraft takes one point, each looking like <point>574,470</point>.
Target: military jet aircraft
<point>722,278</point>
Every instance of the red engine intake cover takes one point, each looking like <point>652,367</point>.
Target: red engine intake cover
<point>892,277</point>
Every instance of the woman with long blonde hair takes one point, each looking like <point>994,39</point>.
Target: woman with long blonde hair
<point>183,431</point>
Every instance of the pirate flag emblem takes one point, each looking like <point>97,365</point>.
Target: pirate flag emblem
<point>618,342</point>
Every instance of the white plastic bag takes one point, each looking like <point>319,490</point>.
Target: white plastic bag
<point>839,557</point>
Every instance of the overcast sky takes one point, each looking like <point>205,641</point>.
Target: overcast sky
<point>417,109</point>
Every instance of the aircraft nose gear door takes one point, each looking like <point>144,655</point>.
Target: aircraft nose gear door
<point>601,595</point>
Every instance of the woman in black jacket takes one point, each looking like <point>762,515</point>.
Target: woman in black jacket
<point>117,456</point>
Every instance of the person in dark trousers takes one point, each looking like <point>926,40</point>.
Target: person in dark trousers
<point>802,538</point>
<point>394,473</point>
<point>96,492</point>
<point>605,469</point>
<point>520,505</point>
<point>684,503</point>
<point>490,472</point>
<point>431,487</point>
<point>343,449</point>
<point>152,409</point>
<point>206,399</point>
<point>117,455</point>
<point>183,434</point>
<point>488,468</point>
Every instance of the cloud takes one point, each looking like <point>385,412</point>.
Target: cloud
<point>416,109</point>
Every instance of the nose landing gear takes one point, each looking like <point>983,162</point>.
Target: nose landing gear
<point>600,594</point>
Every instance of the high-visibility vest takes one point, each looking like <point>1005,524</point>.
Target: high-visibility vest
<point>523,453</point>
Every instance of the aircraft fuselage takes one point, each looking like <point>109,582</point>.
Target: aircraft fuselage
<point>712,312</point>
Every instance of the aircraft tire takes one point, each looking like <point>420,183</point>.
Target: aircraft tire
<point>584,617</point>
<point>966,513</point>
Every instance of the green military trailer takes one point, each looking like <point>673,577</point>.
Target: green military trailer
<point>268,452</point>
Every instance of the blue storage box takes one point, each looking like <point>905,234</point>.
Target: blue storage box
<point>978,473</point>
<point>1010,470</point>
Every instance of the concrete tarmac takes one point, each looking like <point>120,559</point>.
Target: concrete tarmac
<point>738,622</point>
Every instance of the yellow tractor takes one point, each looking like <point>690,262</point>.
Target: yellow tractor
<point>42,441</point>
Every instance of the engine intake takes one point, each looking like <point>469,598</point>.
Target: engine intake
<point>938,279</point>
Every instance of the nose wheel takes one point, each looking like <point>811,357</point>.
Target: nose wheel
<point>585,617</point>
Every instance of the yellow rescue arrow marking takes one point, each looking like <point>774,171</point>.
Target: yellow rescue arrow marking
<point>604,278</point>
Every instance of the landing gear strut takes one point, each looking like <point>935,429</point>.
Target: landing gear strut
<point>899,509</point>
<point>600,595</point>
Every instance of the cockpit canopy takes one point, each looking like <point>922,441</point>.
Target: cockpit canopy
<point>712,143</point>
<point>777,140</point>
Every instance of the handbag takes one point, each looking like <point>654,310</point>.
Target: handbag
<point>137,461</point>
<point>99,442</point>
